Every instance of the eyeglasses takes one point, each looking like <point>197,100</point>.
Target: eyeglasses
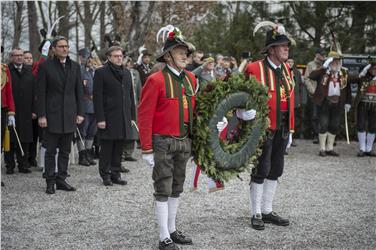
<point>62,46</point>
<point>117,56</point>
<point>17,55</point>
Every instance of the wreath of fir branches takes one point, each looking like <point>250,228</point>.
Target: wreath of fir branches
<point>222,160</point>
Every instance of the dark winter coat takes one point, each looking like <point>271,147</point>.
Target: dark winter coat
<point>60,95</point>
<point>114,103</point>
<point>23,86</point>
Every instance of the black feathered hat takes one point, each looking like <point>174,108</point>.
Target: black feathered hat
<point>175,39</point>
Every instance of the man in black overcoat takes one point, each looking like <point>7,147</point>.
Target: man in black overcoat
<point>23,87</point>
<point>114,109</point>
<point>60,109</point>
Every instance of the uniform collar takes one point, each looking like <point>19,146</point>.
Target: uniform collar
<point>174,71</point>
<point>272,64</point>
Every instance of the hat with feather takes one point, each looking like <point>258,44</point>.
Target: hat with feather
<point>276,35</point>
<point>174,39</point>
<point>47,38</point>
<point>142,51</point>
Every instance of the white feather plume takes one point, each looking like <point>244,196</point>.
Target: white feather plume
<point>264,24</point>
<point>141,49</point>
<point>51,28</point>
<point>165,30</point>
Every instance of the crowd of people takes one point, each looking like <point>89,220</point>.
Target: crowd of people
<point>109,108</point>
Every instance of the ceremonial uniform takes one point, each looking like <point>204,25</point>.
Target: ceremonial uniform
<point>331,94</point>
<point>165,117</point>
<point>365,111</point>
<point>280,82</point>
<point>281,115</point>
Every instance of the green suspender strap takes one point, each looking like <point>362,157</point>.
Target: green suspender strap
<point>287,91</point>
<point>189,92</point>
<point>174,89</point>
<point>278,75</point>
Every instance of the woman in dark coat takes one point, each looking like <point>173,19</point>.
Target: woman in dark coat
<point>114,108</point>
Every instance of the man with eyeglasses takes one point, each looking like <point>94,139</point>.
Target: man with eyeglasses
<point>60,109</point>
<point>23,86</point>
<point>114,108</point>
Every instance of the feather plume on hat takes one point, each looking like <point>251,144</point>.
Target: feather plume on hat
<point>277,27</point>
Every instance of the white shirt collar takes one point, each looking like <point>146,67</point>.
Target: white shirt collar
<point>272,64</point>
<point>174,70</point>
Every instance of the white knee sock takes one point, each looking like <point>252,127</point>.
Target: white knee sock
<point>268,195</point>
<point>161,212</point>
<point>256,197</point>
<point>370,140</point>
<point>322,140</point>
<point>172,210</point>
<point>362,141</point>
<point>330,142</point>
<point>42,153</point>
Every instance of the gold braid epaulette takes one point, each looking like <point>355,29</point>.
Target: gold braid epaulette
<point>4,76</point>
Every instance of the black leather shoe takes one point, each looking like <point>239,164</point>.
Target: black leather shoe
<point>179,238</point>
<point>50,189</point>
<point>275,219</point>
<point>90,157</point>
<point>119,181</point>
<point>332,153</point>
<point>63,185</point>
<point>24,170</point>
<point>9,171</point>
<point>257,222</point>
<point>107,182</point>
<point>168,244</point>
<point>322,153</point>
<point>129,158</point>
<point>361,153</point>
<point>82,159</point>
<point>372,154</point>
<point>124,170</point>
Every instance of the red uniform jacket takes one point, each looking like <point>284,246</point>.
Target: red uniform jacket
<point>267,78</point>
<point>158,111</point>
<point>6,90</point>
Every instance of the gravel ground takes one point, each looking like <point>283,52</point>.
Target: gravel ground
<point>329,201</point>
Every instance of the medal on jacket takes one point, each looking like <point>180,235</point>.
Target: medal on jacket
<point>185,102</point>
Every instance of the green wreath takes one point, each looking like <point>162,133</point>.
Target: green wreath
<point>222,160</point>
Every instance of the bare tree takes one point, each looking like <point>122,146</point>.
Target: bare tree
<point>91,12</point>
<point>17,22</point>
<point>34,37</point>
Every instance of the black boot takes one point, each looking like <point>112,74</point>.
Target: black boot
<point>50,188</point>
<point>89,157</point>
<point>82,158</point>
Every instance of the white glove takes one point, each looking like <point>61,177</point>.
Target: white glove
<point>347,107</point>
<point>11,121</point>
<point>222,125</point>
<point>246,115</point>
<point>364,71</point>
<point>327,62</point>
<point>46,48</point>
<point>290,140</point>
<point>149,158</point>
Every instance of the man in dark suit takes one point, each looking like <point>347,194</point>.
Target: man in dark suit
<point>23,86</point>
<point>60,109</point>
<point>114,108</point>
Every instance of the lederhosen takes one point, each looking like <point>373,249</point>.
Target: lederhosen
<point>171,153</point>
<point>271,162</point>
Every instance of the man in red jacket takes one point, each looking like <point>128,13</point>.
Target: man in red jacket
<point>273,72</point>
<point>165,125</point>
